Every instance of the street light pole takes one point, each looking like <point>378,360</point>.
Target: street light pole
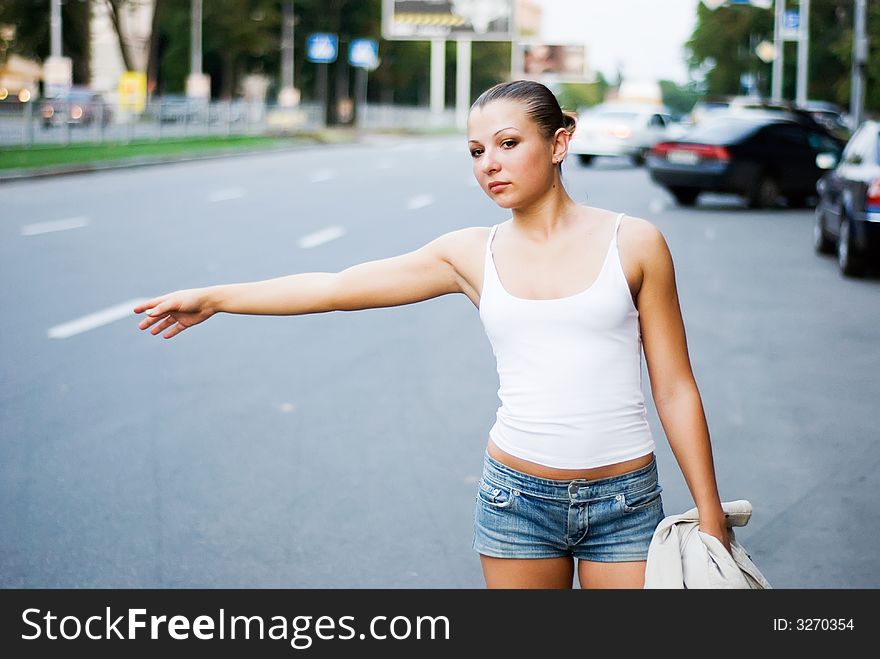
<point>859,64</point>
<point>195,55</point>
<point>287,46</point>
<point>803,53</point>
<point>778,59</point>
<point>55,25</point>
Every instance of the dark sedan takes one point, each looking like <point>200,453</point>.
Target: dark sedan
<point>848,212</point>
<point>762,156</point>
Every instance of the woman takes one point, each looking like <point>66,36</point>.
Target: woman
<point>568,296</point>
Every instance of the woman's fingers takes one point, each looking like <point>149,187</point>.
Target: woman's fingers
<point>165,324</point>
<point>149,304</point>
<point>174,331</point>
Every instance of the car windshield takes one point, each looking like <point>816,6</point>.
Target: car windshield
<point>723,130</point>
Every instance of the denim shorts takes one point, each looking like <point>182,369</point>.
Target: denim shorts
<point>607,519</point>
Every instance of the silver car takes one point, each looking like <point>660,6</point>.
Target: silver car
<point>617,129</point>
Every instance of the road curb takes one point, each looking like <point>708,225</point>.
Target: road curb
<point>147,161</point>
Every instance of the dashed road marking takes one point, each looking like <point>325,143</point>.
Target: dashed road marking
<point>419,201</point>
<point>96,319</point>
<point>322,175</point>
<point>226,195</point>
<point>658,206</point>
<point>321,237</point>
<point>55,225</point>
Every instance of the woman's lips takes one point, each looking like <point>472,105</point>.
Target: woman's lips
<point>498,186</point>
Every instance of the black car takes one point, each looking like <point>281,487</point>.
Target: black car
<point>848,212</point>
<point>761,155</point>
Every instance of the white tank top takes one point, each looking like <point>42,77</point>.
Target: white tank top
<point>570,370</point>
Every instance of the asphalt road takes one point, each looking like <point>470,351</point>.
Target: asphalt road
<point>343,449</point>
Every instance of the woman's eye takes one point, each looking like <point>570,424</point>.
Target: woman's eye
<point>508,144</point>
<point>476,152</point>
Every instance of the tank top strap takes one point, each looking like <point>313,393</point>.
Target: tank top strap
<point>616,229</point>
<point>491,237</point>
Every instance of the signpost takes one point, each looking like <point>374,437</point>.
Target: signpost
<point>321,48</point>
<point>363,55</point>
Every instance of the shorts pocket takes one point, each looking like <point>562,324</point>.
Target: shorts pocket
<point>495,496</point>
<point>636,500</point>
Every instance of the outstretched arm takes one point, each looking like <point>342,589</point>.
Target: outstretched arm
<point>673,385</point>
<point>419,275</point>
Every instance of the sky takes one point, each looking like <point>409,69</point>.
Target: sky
<point>645,37</point>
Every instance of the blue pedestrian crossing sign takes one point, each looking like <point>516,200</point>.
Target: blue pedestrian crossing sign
<point>364,53</point>
<point>321,47</point>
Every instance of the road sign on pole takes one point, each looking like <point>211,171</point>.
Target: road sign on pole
<point>321,47</point>
<point>364,53</point>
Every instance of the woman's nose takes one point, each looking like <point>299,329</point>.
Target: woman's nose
<point>489,164</point>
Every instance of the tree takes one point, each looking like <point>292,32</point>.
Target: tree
<point>32,32</point>
<point>728,36</point>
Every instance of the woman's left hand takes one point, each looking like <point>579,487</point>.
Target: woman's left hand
<point>718,529</point>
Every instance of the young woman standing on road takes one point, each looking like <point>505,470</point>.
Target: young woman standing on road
<point>569,296</point>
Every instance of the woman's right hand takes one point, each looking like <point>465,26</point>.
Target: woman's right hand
<point>178,310</point>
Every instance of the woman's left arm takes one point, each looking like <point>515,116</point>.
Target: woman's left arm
<point>673,386</point>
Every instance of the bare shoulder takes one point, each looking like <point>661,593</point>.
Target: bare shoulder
<point>643,242</point>
<point>463,249</point>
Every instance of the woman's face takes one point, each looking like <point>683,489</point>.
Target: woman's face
<point>513,162</point>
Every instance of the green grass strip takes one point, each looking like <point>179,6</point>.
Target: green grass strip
<point>39,156</point>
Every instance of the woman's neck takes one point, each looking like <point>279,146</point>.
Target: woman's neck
<point>543,218</point>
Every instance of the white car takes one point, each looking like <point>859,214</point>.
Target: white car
<point>616,129</point>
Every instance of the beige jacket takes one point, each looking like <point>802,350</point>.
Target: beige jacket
<point>682,556</point>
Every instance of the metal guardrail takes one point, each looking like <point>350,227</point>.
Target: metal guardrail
<point>63,122</point>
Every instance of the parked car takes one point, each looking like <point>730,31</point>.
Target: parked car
<point>704,108</point>
<point>615,129</point>
<point>761,155</point>
<point>831,115</point>
<point>80,105</point>
<point>848,212</point>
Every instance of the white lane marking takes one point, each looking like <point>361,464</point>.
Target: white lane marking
<point>321,237</point>
<point>287,407</point>
<point>322,175</point>
<point>55,225</point>
<point>93,320</point>
<point>658,206</point>
<point>419,201</point>
<point>226,194</point>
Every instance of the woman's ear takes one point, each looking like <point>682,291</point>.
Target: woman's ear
<point>560,145</point>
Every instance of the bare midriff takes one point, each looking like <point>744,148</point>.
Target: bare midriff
<point>542,471</point>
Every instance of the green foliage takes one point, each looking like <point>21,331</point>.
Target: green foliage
<point>574,96</point>
<point>679,98</point>
<point>728,36</point>
<point>32,32</point>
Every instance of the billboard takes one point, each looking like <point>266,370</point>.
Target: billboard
<point>421,20</point>
<point>557,62</point>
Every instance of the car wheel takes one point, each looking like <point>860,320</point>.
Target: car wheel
<point>765,194</point>
<point>585,159</point>
<point>848,257</point>
<point>685,196</point>
<point>638,159</point>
